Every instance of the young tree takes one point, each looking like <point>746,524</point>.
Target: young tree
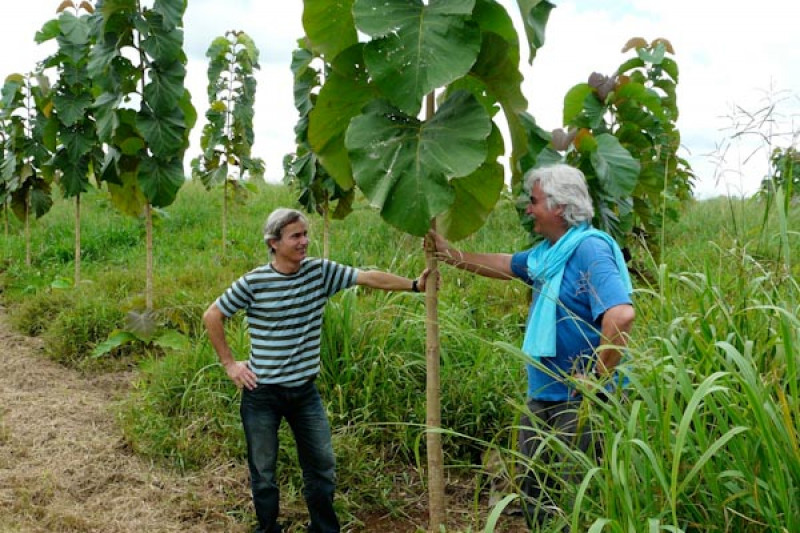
<point>24,109</point>
<point>442,171</point>
<point>144,113</point>
<point>318,191</point>
<point>623,136</point>
<point>228,137</point>
<point>5,185</point>
<point>78,152</point>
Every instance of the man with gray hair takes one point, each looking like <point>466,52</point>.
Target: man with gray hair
<point>284,301</point>
<point>579,319</point>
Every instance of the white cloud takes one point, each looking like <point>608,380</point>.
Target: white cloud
<point>727,55</point>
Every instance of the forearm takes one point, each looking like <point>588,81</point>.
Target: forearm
<point>386,281</point>
<point>215,326</point>
<point>616,326</point>
<point>497,266</point>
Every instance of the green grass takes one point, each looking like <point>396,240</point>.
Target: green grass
<point>705,440</point>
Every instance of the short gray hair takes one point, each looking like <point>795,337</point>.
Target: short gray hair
<point>564,186</point>
<point>279,219</point>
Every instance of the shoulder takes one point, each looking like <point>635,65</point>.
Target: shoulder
<point>593,249</point>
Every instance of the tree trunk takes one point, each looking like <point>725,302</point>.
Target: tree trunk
<point>27,229</point>
<point>224,217</point>
<point>326,231</point>
<point>148,291</point>
<point>77,240</point>
<point>436,499</point>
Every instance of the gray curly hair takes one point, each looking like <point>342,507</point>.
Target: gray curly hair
<point>565,186</point>
<point>279,219</point>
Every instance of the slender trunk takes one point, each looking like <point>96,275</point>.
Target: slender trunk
<point>27,229</point>
<point>77,240</point>
<point>326,231</point>
<point>148,291</point>
<point>224,216</point>
<point>433,384</point>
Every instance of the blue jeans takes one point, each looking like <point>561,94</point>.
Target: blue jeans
<point>262,410</point>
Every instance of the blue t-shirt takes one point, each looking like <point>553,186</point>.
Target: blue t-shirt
<point>591,285</point>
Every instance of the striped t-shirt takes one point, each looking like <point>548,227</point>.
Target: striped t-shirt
<point>284,314</point>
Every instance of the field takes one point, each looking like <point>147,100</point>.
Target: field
<point>705,440</point>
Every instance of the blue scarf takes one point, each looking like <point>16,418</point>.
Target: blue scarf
<point>546,264</point>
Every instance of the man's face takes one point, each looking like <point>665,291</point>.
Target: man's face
<point>293,244</point>
<point>549,223</point>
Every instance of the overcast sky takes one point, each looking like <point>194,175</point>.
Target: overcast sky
<point>730,59</point>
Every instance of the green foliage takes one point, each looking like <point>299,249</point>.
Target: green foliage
<point>317,189</point>
<point>420,155</point>
<point>81,324</point>
<point>622,134</point>
<point>714,350</point>
<point>190,385</point>
<point>78,153</point>
<point>228,137</point>
<point>144,161</point>
<point>784,174</point>
<point>27,141</point>
<point>457,47</point>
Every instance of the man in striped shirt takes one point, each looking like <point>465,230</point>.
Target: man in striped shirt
<point>284,301</point>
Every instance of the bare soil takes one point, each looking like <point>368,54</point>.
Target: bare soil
<point>65,467</point>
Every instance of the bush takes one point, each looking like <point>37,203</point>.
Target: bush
<point>75,332</point>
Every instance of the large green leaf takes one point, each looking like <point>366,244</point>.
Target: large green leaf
<point>573,101</point>
<point>101,56</point>
<point>417,48</point>
<point>71,107</point>
<point>74,29</point>
<point>166,86</point>
<point>171,11</point>
<point>77,143</point>
<point>343,96</point>
<point>538,149</point>
<point>639,94</point>
<point>616,169</point>
<point>535,14</point>
<point>493,17</point>
<point>329,26</point>
<point>163,131</point>
<point>305,80</point>
<point>35,193</point>
<point>74,175</point>
<point>476,196</point>
<point>50,30</point>
<point>164,46</point>
<point>498,67</point>
<point>404,166</point>
<point>160,179</point>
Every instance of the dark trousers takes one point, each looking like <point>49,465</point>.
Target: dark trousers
<point>539,484</point>
<point>262,410</point>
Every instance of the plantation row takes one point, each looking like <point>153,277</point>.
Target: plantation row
<point>705,440</point>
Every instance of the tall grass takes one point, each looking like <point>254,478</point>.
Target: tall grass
<point>705,439</point>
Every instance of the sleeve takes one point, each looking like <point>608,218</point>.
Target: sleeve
<point>237,296</point>
<point>519,266</point>
<point>337,277</point>
<point>602,278</point>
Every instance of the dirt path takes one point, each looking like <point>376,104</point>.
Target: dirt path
<point>64,465</point>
